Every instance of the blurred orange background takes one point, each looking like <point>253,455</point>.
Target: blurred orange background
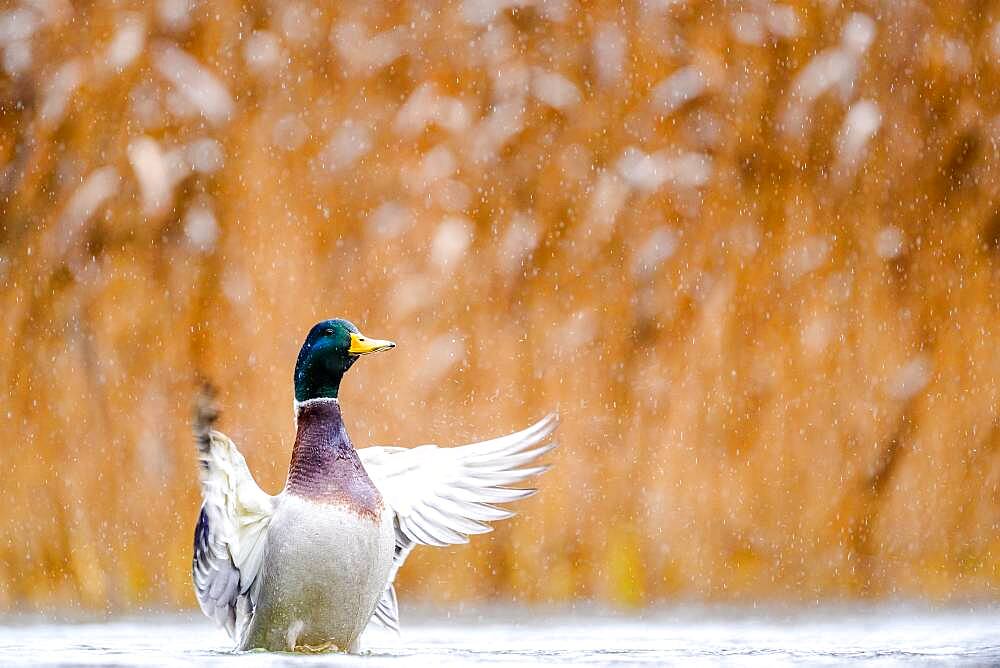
<point>750,251</point>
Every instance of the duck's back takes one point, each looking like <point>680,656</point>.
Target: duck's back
<point>326,566</point>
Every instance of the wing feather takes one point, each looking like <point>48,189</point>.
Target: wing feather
<point>441,496</point>
<point>387,610</point>
<point>231,534</point>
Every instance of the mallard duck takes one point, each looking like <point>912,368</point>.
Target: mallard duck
<point>311,567</point>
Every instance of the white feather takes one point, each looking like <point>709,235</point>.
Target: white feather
<point>231,537</point>
<point>440,496</point>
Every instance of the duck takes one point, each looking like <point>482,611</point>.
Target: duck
<point>311,568</point>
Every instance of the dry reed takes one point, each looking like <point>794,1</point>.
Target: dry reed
<point>750,251</point>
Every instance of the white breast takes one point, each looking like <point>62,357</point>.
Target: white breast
<point>323,572</point>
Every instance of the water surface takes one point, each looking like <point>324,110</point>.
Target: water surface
<point>876,636</point>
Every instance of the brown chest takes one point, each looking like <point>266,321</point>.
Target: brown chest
<point>325,468</point>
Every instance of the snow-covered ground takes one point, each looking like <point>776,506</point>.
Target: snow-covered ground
<point>824,636</point>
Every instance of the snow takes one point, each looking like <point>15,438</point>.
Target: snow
<point>610,48</point>
<point>646,172</point>
<point>678,89</point>
<point>150,167</point>
<point>763,21</point>
<point>957,55</point>
<point>390,220</point>
<point>409,295</point>
<point>200,87</point>
<point>159,170</point>
<point>427,106</point>
<point>262,52</point>
<point>453,195</point>
<point>858,33</point>
<point>482,12</point>
<point>889,242</point>
<point>237,286</point>
<point>59,89</point>
<point>364,53</point>
<point>175,15</point>
<point>450,242</point>
<point>349,143</point>
<point>442,354</point>
<point>860,125</point>
<point>775,201</point>
<point>649,172</point>
<point>747,28</point>
<point>839,286</point>
<point>97,188</point>
<point>18,24</point>
<point>556,11</point>
<point>554,89</point>
<point>660,245</point>
<point>146,112</point>
<point>783,21</point>
<point>807,256</point>
<point>205,155</point>
<point>609,196</point>
<point>511,81</point>
<point>127,43</point>
<point>519,240</point>
<point>299,22</point>
<point>822,73</point>
<point>500,126</point>
<point>816,334</point>
<point>910,378</point>
<point>16,58</point>
<point>744,238</point>
<point>51,11</point>
<point>576,331</point>
<point>437,164</point>
<point>290,132</point>
<point>200,226</point>
<point>835,68</point>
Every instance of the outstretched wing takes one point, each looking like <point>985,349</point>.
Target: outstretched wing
<point>441,496</point>
<point>231,534</point>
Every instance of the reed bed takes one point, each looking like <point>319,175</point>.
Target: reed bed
<point>750,252</point>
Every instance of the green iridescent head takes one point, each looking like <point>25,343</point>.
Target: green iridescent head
<point>328,352</point>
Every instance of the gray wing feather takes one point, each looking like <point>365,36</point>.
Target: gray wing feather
<point>216,579</point>
<point>387,611</point>
<point>231,534</point>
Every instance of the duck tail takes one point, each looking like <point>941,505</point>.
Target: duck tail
<point>206,412</point>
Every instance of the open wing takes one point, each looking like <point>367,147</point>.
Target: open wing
<point>441,496</point>
<point>231,534</point>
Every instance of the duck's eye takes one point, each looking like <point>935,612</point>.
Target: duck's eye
<point>328,331</point>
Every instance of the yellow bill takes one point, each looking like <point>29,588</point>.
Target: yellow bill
<point>362,345</point>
